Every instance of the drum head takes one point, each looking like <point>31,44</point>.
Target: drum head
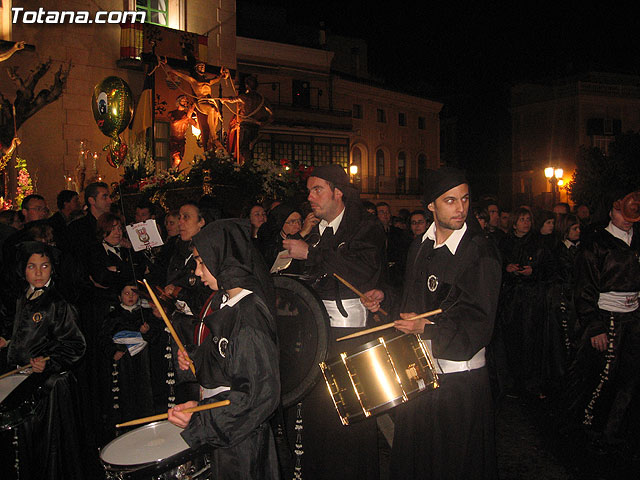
<point>152,443</point>
<point>303,335</point>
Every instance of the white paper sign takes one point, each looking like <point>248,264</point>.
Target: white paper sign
<point>144,235</point>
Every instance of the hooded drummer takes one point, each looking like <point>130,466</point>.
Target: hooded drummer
<point>448,432</point>
<point>238,360</point>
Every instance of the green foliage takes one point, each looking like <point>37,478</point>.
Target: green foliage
<point>600,179</point>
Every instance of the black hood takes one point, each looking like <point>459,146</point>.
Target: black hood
<point>275,222</point>
<point>226,249</point>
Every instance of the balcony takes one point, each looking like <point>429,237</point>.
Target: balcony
<point>287,115</point>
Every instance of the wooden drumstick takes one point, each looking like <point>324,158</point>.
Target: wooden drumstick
<point>388,325</point>
<point>168,323</point>
<point>164,416</point>
<point>357,292</point>
<point>19,369</point>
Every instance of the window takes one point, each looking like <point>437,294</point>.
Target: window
<point>157,11</point>
<point>422,123</point>
<point>402,172</point>
<point>380,163</point>
<point>357,111</point>
<point>402,119</point>
<point>302,149</point>
<point>381,116</point>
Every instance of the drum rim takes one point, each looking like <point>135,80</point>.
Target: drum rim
<point>132,467</point>
<point>312,377</point>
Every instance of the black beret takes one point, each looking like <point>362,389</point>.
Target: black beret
<point>440,181</point>
<point>332,173</point>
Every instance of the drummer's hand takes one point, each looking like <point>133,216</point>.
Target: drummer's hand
<point>183,360</point>
<point>38,364</point>
<point>298,249</point>
<point>144,328</point>
<point>373,300</point>
<point>3,342</point>
<point>411,326</point>
<point>178,418</point>
<point>169,289</point>
<point>118,355</point>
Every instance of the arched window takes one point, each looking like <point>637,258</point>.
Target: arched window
<point>356,160</point>
<point>402,173</point>
<point>422,170</point>
<point>380,163</point>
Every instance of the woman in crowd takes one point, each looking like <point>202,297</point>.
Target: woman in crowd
<point>284,222</point>
<point>185,292</point>
<point>238,361</point>
<point>112,261</point>
<point>568,231</point>
<point>257,216</point>
<point>521,312</point>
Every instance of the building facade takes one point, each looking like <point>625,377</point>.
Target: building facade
<point>552,121</point>
<point>326,107</point>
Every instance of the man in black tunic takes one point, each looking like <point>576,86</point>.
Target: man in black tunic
<point>604,378</point>
<point>349,242</point>
<point>449,433</point>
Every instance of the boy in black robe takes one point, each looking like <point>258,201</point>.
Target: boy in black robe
<point>238,361</point>
<point>45,336</point>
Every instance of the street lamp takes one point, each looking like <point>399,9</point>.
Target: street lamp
<point>353,170</point>
<point>555,177</point>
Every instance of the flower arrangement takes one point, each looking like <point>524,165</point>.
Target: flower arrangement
<point>25,185</point>
<point>5,204</point>
<point>234,185</point>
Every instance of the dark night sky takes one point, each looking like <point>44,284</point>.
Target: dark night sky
<point>468,54</point>
<point>456,45</point>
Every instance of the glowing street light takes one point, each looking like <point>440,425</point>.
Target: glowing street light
<point>554,174</point>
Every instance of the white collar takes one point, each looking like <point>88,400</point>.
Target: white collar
<point>110,248</point>
<point>130,308</point>
<point>568,243</point>
<point>452,242</point>
<point>31,288</point>
<point>619,233</point>
<point>335,223</point>
<point>230,302</point>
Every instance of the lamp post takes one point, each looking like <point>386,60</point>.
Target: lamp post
<point>554,174</point>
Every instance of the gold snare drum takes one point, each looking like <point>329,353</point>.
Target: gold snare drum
<point>378,376</point>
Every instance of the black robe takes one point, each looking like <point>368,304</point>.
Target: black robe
<point>50,441</point>
<point>356,252</point>
<point>603,386</point>
<point>449,433</point>
<point>522,314</point>
<point>141,378</point>
<point>240,353</point>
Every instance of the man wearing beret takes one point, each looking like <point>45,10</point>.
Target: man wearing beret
<point>350,243</point>
<point>448,433</point>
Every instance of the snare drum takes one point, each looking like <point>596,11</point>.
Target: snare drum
<point>379,375</point>
<point>18,397</point>
<point>154,451</point>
